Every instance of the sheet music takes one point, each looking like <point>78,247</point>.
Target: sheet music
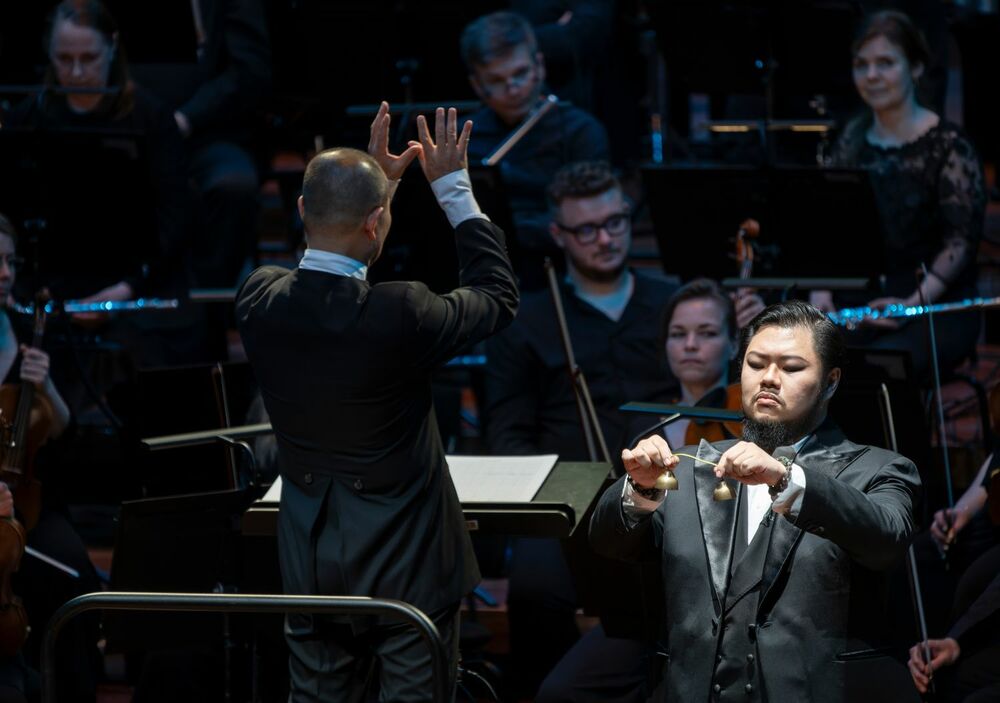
<point>483,479</point>
<point>499,479</point>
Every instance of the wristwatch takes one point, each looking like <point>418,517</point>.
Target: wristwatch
<point>779,487</point>
<point>652,493</point>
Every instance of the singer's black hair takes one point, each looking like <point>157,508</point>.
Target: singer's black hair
<point>827,337</point>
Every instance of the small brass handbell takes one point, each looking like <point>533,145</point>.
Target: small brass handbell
<point>667,481</point>
<point>722,491</point>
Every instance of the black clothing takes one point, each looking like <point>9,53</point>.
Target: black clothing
<point>977,627</point>
<point>530,405</point>
<point>531,409</point>
<point>396,656</point>
<point>219,93</point>
<point>148,253</point>
<point>563,136</point>
<point>367,505</point>
<point>818,584</point>
<point>574,50</point>
<point>931,196</point>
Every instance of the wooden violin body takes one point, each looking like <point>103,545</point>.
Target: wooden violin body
<point>13,618</point>
<point>18,448</point>
<point>26,419</point>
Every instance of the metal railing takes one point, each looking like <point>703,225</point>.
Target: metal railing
<point>243,603</point>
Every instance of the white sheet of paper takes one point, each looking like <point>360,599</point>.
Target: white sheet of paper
<point>483,479</point>
<point>499,479</point>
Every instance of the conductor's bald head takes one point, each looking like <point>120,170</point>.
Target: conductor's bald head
<point>341,189</point>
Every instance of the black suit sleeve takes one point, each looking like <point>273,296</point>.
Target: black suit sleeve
<point>612,537</point>
<point>513,393</point>
<point>486,301</point>
<point>873,526</point>
<point>246,76</point>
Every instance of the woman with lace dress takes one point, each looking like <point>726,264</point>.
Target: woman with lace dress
<point>929,187</point>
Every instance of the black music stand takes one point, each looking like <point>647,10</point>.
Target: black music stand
<point>185,399</point>
<point>557,510</point>
<point>183,544</point>
<point>814,222</point>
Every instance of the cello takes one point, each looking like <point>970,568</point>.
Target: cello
<point>711,430</point>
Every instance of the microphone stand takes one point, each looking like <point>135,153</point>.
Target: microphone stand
<point>592,434</point>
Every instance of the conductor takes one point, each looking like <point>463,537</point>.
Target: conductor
<point>368,507</point>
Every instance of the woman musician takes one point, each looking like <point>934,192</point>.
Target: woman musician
<point>43,588</point>
<point>929,187</point>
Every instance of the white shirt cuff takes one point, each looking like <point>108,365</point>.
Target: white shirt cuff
<point>789,501</point>
<point>454,194</point>
<point>635,507</point>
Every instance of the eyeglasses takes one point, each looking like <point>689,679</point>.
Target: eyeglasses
<point>496,85</point>
<point>12,262</point>
<point>586,233</point>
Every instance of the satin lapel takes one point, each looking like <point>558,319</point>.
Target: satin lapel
<point>827,450</point>
<point>716,517</point>
<point>747,571</point>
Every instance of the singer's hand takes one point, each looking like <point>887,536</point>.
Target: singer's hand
<point>648,460</point>
<point>749,464</point>
<point>943,653</point>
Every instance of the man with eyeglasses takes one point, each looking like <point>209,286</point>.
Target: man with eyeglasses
<point>612,316</point>
<point>507,72</point>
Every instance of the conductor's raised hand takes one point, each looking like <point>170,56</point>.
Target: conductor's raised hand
<point>378,146</point>
<point>648,460</point>
<point>446,151</point>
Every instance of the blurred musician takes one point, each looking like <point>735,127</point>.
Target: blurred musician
<point>41,587</point>
<point>85,52</point>
<point>929,186</point>
<point>508,74</point>
<point>700,338</point>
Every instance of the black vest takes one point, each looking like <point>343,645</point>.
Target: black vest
<point>737,674</point>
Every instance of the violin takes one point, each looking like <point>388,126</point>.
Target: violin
<point>31,416</point>
<point>26,420</point>
<point>711,430</point>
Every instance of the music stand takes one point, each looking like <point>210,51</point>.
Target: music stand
<point>184,399</point>
<point>184,544</point>
<point>814,222</point>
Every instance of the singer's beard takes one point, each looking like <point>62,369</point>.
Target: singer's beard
<point>771,434</point>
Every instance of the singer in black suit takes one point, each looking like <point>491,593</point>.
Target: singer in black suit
<point>777,595</point>
<point>368,507</point>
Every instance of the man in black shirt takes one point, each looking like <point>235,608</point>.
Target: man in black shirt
<point>508,74</point>
<point>612,314</point>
